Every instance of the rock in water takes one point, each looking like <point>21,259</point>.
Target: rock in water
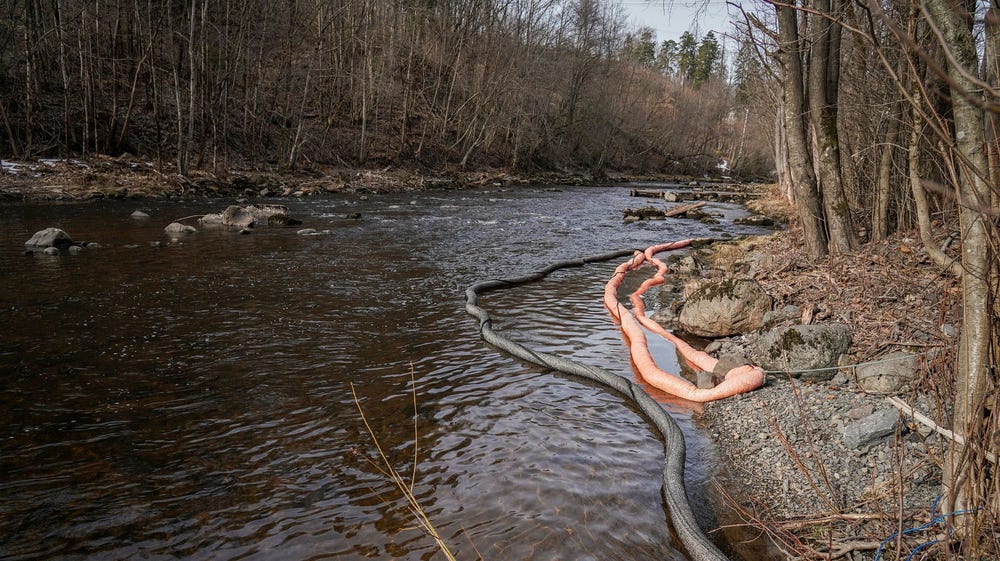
<point>176,228</point>
<point>728,307</point>
<point>237,216</point>
<point>282,220</point>
<point>210,220</point>
<point>50,237</point>
<point>755,220</point>
<point>139,215</point>
<point>250,215</point>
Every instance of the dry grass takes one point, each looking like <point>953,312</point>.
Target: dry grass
<point>384,466</point>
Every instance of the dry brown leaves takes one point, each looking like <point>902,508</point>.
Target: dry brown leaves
<point>890,292</point>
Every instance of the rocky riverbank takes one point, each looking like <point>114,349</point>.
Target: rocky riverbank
<point>102,177</point>
<point>826,468</point>
<point>127,177</point>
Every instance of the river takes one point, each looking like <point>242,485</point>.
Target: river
<point>195,400</point>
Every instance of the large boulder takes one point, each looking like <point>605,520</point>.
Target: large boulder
<point>249,216</point>
<point>888,374</point>
<point>787,315</point>
<point>804,347</point>
<point>724,308</point>
<point>49,237</point>
<point>237,216</point>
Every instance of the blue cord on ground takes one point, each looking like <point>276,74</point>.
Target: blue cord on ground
<point>941,518</point>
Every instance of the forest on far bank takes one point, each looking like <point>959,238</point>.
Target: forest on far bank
<point>522,84</point>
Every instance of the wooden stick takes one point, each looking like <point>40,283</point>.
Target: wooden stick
<point>683,208</point>
<point>646,193</point>
<point>927,421</point>
<point>846,517</point>
<point>842,548</point>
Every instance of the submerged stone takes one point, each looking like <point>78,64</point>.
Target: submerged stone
<point>176,228</point>
<point>210,219</point>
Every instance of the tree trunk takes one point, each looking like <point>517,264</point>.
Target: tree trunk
<point>60,36</point>
<point>189,133</point>
<point>964,487</point>
<point>991,74</point>
<point>781,155</point>
<point>824,78</point>
<point>883,189</point>
<point>807,202</point>
<point>29,78</point>
<point>920,199</point>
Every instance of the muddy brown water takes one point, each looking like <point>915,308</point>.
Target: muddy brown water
<point>194,401</point>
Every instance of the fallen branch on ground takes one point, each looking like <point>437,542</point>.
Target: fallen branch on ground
<point>927,421</point>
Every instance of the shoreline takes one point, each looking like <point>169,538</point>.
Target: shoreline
<point>126,178</point>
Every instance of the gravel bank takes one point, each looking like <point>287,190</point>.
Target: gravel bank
<point>785,444</point>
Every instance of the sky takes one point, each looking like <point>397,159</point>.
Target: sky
<point>672,18</point>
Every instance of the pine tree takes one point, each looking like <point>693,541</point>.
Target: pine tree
<point>644,47</point>
<point>666,58</point>
<point>687,54</point>
<point>746,68</point>
<point>706,60</point>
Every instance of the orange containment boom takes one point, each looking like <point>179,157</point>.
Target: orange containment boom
<point>738,380</point>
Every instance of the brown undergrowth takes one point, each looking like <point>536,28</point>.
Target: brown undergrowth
<point>889,291</point>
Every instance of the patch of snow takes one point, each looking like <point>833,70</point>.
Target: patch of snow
<point>12,168</point>
<point>51,162</point>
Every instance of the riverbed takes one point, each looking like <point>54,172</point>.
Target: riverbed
<point>194,399</point>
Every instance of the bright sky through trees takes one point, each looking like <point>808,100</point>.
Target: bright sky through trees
<point>672,18</point>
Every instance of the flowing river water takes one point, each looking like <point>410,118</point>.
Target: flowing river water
<point>194,400</point>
